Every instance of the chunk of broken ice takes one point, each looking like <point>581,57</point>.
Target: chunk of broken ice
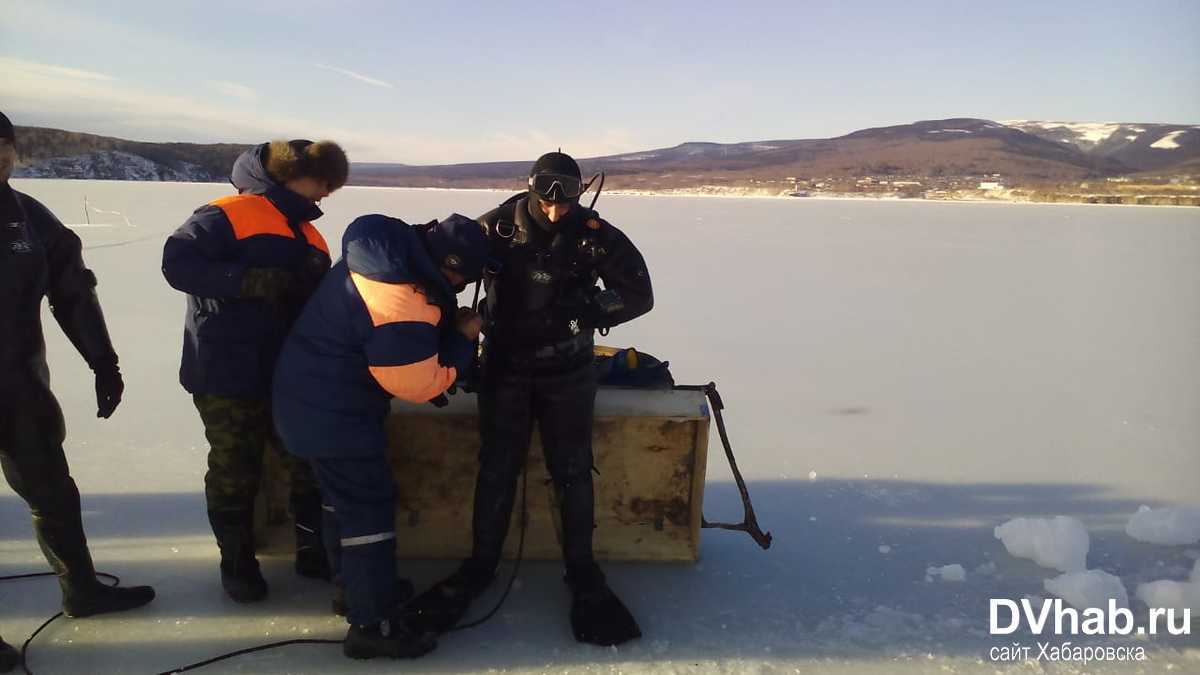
<point>953,572</point>
<point>1178,595</point>
<point>1060,543</point>
<point>1085,590</point>
<point>1174,526</point>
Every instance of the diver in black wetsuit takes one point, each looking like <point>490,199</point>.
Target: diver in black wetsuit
<point>541,310</point>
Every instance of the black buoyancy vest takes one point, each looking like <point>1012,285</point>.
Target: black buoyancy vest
<point>538,273</point>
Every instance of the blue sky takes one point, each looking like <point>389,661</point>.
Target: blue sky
<point>458,82</point>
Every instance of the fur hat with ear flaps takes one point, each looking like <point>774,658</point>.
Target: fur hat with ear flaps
<point>324,160</point>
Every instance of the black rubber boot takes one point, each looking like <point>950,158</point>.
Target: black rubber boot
<point>9,657</point>
<point>240,575</point>
<point>598,616</point>
<point>438,609</point>
<point>311,560</point>
<point>392,638</point>
<point>63,543</point>
<point>404,592</point>
<point>89,599</point>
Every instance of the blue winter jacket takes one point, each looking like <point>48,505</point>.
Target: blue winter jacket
<point>230,343</point>
<point>380,325</point>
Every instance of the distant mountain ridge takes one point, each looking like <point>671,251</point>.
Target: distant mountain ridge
<point>1016,152</point>
<point>917,152</point>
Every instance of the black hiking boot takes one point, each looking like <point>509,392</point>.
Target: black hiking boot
<point>404,592</point>
<point>438,609</point>
<point>392,638</point>
<point>598,616</point>
<point>89,599</point>
<point>240,575</point>
<point>9,657</point>
<point>243,581</point>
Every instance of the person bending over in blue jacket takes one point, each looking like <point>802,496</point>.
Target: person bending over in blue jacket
<point>383,323</point>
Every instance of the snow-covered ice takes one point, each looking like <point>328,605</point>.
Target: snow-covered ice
<point>986,395</point>
<point>1060,543</point>
<point>1178,595</point>
<point>1172,526</point>
<point>1090,589</point>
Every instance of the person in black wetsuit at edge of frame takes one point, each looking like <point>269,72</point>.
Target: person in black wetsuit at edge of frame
<point>40,257</point>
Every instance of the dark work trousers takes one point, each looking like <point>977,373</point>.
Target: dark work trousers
<point>238,432</point>
<point>360,495</point>
<point>31,453</point>
<point>511,401</point>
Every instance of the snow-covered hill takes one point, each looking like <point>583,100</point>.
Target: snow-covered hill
<point>1142,147</point>
<point>113,165</point>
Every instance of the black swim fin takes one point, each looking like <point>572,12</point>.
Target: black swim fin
<point>440,608</point>
<point>598,616</point>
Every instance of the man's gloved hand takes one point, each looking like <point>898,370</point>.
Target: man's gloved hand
<point>109,387</point>
<point>267,283</point>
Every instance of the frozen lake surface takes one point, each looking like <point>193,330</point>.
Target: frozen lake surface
<point>901,377</point>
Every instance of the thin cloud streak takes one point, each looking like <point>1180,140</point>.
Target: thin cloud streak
<point>357,76</point>
<point>21,66</point>
<point>39,94</point>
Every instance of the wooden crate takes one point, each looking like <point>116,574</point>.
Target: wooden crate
<point>651,450</point>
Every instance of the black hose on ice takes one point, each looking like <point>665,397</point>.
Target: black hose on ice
<point>299,641</point>
<point>47,622</point>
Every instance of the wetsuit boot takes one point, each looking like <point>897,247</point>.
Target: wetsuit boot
<point>60,535</point>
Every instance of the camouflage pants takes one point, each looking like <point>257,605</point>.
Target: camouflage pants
<point>238,432</point>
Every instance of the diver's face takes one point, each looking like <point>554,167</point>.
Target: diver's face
<point>554,212</point>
